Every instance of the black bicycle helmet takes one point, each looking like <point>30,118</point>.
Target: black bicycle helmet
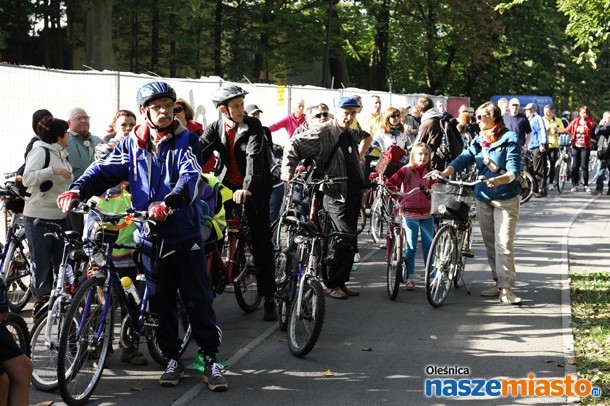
<point>155,90</point>
<point>225,93</point>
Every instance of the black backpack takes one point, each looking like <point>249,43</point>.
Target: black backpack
<point>452,143</point>
<point>18,185</point>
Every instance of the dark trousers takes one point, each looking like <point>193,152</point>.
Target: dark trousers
<point>180,267</point>
<point>539,164</point>
<point>580,160</point>
<point>553,154</point>
<point>599,182</point>
<point>344,217</point>
<point>262,246</point>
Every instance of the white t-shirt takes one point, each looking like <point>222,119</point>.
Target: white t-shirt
<point>386,139</point>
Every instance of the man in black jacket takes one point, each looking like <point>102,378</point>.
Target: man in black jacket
<point>246,156</point>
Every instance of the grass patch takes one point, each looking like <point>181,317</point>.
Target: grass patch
<point>591,327</point>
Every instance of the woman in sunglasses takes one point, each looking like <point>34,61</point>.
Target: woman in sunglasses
<point>392,131</point>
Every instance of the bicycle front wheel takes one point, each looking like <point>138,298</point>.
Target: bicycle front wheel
<point>84,345</point>
<point>377,220</point>
<point>306,319</point>
<point>395,262</point>
<point>18,329</point>
<point>442,260</point>
<point>526,195</point>
<point>245,285</point>
<point>288,289</point>
<point>563,174</point>
<point>185,332</point>
<point>16,271</point>
<point>45,349</point>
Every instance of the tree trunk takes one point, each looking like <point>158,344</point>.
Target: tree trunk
<point>154,39</point>
<point>98,35</point>
<point>379,65</point>
<point>218,38</point>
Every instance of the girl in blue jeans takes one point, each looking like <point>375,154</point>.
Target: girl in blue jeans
<point>416,207</point>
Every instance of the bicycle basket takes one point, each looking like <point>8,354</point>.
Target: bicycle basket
<point>103,233</point>
<point>564,140</point>
<point>451,203</point>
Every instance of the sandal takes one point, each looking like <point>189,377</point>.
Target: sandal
<point>348,291</point>
<point>335,293</point>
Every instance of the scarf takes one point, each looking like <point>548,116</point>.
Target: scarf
<point>493,134</point>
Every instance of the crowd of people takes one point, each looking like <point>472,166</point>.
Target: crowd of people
<point>158,165</point>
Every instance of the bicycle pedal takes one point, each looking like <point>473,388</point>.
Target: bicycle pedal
<point>468,254</point>
<point>151,320</point>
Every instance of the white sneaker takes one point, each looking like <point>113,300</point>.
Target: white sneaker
<point>551,187</point>
<point>574,189</point>
<point>587,189</point>
<point>357,257</point>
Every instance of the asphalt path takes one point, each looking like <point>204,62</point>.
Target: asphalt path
<point>375,351</point>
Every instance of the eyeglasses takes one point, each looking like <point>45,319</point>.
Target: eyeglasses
<point>480,116</point>
<point>320,115</point>
<point>82,118</point>
<point>178,109</point>
<point>396,115</point>
<point>166,107</point>
<point>513,105</point>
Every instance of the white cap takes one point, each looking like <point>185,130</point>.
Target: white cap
<point>514,100</point>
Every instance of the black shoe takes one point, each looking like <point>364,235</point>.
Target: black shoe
<point>269,310</point>
<point>212,375</point>
<point>39,308</point>
<point>174,372</point>
<point>597,192</point>
<point>539,195</point>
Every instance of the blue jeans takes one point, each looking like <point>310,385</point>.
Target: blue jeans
<point>412,228</point>
<point>599,182</point>
<point>45,254</point>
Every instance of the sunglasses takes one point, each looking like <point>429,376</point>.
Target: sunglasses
<point>178,109</point>
<point>320,115</point>
<point>397,115</point>
<point>480,116</point>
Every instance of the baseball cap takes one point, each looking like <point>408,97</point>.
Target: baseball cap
<point>512,101</point>
<point>529,106</point>
<point>347,102</point>
<point>252,108</point>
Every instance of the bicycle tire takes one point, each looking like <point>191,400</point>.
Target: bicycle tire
<point>282,236</point>
<point>185,331</point>
<point>563,174</point>
<point>394,263</point>
<point>18,328</point>
<point>441,261</point>
<point>377,220</point>
<point>304,328</point>
<point>45,355</point>
<point>16,267</point>
<point>527,195</point>
<point>78,343</point>
<point>458,280</point>
<point>361,225</point>
<point>291,265</point>
<point>245,283</point>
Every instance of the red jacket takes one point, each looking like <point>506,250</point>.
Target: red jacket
<point>404,181</point>
<point>588,131</point>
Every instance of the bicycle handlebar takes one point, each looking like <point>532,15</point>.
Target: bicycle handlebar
<point>137,216</point>
<point>461,183</point>
<point>420,188</point>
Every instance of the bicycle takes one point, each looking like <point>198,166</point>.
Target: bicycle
<point>562,167</point>
<point>16,325</point>
<point>300,296</point>
<point>46,330</point>
<point>526,173</point>
<point>238,260</point>
<point>84,345</point>
<point>381,209</point>
<point>395,239</point>
<point>453,203</point>
<point>15,255</point>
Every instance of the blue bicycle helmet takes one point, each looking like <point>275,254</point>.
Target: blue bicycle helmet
<point>223,94</point>
<point>155,90</point>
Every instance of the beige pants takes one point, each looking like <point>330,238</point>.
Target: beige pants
<point>498,220</point>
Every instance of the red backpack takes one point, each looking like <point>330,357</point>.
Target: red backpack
<point>389,162</point>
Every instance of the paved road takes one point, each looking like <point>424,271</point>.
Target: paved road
<point>378,352</point>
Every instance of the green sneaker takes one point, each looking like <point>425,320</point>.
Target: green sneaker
<point>198,364</point>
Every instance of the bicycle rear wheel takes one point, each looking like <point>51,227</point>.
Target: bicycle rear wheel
<point>440,265</point>
<point>185,332</point>
<point>395,262</point>
<point>361,220</point>
<point>84,345</point>
<point>16,271</point>
<point>245,285</point>
<point>306,319</point>
<point>290,268</point>
<point>377,220</point>
<point>563,174</point>
<point>18,329</point>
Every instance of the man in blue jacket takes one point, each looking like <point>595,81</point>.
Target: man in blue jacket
<point>161,161</point>
<point>538,144</point>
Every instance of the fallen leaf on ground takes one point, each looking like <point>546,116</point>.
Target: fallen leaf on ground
<point>137,388</point>
<point>367,349</point>
<point>328,372</point>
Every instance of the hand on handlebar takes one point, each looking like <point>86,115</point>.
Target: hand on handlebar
<point>240,196</point>
<point>67,200</point>
<point>159,212</point>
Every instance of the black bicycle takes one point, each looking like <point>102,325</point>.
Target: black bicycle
<point>16,325</point>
